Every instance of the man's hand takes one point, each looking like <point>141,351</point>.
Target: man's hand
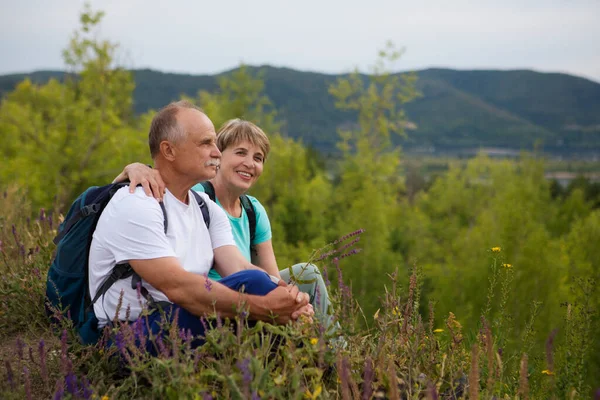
<point>149,178</point>
<point>285,304</point>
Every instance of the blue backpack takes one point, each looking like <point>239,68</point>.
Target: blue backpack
<point>67,289</point>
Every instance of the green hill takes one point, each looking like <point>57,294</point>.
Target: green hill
<point>459,109</point>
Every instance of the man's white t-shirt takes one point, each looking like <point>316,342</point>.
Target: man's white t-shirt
<point>131,227</point>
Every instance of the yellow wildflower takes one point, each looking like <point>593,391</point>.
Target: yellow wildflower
<point>496,249</point>
<point>507,265</point>
<point>314,341</point>
<point>438,330</point>
<point>395,311</point>
<point>315,394</point>
<point>105,397</point>
<point>547,372</point>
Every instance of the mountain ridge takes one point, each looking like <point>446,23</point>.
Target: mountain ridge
<point>459,109</point>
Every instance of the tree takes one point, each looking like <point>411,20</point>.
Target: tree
<point>67,135</point>
<point>366,195</point>
<point>240,95</point>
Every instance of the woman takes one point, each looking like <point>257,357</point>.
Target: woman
<point>244,148</point>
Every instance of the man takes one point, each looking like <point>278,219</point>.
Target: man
<point>172,266</point>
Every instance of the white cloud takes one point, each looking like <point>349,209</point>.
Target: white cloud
<point>329,36</point>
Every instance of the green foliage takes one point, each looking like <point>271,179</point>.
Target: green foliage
<point>63,137</point>
<point>240,95</point>
<point>368,185</point>
<point>25,252</point>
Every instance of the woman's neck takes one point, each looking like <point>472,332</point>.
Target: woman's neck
<point>228,196</point>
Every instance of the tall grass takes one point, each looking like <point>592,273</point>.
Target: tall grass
<point>396,353</point>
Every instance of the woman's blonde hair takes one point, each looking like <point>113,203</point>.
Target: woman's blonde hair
<point>238,130</point>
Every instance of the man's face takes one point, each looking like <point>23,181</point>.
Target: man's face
<point>196,156</point>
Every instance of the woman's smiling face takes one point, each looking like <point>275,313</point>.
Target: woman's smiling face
<point>241,164</point>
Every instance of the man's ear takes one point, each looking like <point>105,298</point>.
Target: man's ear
<point>167,150</point>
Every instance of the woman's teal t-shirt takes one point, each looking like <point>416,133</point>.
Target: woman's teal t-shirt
<point>240,228</point>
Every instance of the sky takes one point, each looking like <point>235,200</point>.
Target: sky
<point>330,36</point>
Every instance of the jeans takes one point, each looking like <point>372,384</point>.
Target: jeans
<point>253,281</point>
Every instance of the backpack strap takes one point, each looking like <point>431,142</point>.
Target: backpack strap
<point>203,206</point>
<point>250,212</point>
<point>209,189</point>
<point>82,213</point>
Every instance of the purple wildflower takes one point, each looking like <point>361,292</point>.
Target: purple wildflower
<point>206,396</point>
<point>58,395</point>
<point>27,383</point>
<point>14,232</point>
<point>368,375</point>
<point>64,355</point>
<point>71,381</point>
<point>197,357</point>
<point>325,276</point>
<point>207,282</point>
<point>348,245</point>
<point>42,214</point>
<point>432,391</point>
<point>161,346</point>
<point>243,366</point>
<point>120,342</point>
<point>348,236</point>
<point>351,252</point>
<point>326,255</point>
<point>42,354</point>
<point>9,375</point>
<point>86,390</point>
<point>188,338</point>
<point>317,297</point>
<point>182,334</point>
<point>255,396</point>
<point>138,329</point>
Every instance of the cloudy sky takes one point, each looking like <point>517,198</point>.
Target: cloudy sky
<point>200,37</point>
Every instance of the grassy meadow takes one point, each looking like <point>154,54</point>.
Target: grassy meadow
<point>451,278</point>
<point>403,350</point>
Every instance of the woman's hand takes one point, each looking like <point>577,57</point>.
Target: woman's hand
<point>149,178</point>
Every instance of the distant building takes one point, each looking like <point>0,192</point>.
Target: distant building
<point>564,178</point>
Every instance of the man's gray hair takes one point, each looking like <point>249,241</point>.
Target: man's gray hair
<point>165,126</point>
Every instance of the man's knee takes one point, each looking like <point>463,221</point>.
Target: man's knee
<point>250,281</point>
